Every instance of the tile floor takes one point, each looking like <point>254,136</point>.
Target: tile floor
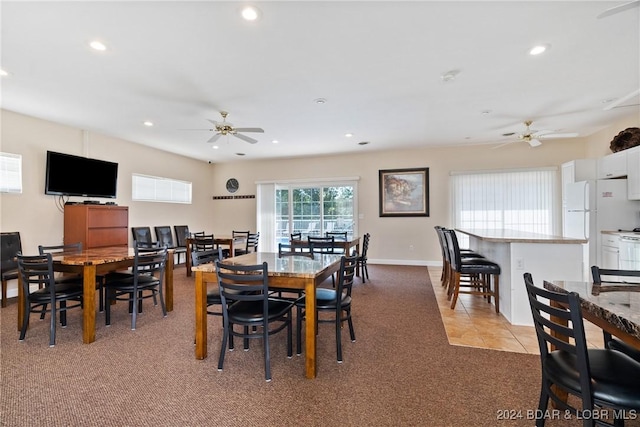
<point>474,323</point>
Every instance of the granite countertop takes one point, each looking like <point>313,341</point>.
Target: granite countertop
<point>620,308</point>
<point>515,236</point>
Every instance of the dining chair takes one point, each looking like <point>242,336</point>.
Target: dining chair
<point>479,273</point>
<point>287,249</point>
<point>252,242</point>
<point>246,302</point>
<point>142,236</point>
<point>76,279</point>
<point>241,234</point>
<point>10,246</point>
<point>295,236</point>
<point>336,301</point>
<point>599,378</point>
<point>164,237</point>
<point>203,242</point>
<point>182,232</point>
<point>324,245</point>
<point>339,236</point>
<point>362,258</point>
<point>38,270</point>
<point>610,280</point>
<point>209,257</point>
<point>144,282</point>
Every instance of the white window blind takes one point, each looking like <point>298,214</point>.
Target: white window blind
<point>147,188</point>
<point>10,173</point>
<point>521,200</point>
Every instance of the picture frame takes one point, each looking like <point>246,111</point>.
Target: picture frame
<point>404,192</point>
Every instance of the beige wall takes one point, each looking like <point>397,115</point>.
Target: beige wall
<point>36,216</point>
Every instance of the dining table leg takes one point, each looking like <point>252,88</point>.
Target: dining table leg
<point>168,282</point>
<point>89,303</point>
<point>187,262</point>
<point>21,300</point>
<point>201,316</point>
<point>311,365</point>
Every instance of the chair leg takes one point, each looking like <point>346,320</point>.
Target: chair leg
<point>52,325</point>
<point>298,331</point>
<point>456,289</point>
<point>63,313</point>
<point>289,335</point>
<point>338,338</point>
<point>108,293</point>
<point>496,291</point>
<point>352,331</point>
<point>4,293</point>
<point>25,322</point>
<point>223,347</point>
<point>267,355</point>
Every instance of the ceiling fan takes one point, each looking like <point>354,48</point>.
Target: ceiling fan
<point>225,128</point>
<point>619,8</point>
<point>533,137</point>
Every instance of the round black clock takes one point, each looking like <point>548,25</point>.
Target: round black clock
<point>232,185</point>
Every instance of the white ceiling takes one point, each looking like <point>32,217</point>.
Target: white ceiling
<point>378,64</point>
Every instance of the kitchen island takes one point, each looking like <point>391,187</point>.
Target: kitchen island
<point>546,257</point>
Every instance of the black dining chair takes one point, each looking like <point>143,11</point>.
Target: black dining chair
<point>209,257</point>
<point>50,297</point>
<point>611,280</point>
<point>599,378</point>
<point>10,246</point>
<point>362,258</point>
<point>182,232</point>
<point>142,236</point>
<point>246,302</point>
<point>335,301</point>
<point>144,282</point>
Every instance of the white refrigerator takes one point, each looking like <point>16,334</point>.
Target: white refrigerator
<point>592,206</point>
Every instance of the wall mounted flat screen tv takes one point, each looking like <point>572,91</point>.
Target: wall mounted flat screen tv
<point>69,175</point>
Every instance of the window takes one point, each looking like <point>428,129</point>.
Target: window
<point>310,208</point>
<point>10,173</point>
<point>517,200</point>
<point>156,189</point>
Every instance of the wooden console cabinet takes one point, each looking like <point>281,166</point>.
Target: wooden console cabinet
<point>96,225</point>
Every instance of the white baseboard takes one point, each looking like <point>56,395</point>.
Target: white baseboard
<point>415,262</point>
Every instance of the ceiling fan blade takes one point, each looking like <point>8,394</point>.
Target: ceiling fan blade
<point>502,145</point>
<point>249,130</point>
<point>619,101</point>
<point>215,137</point>
<point>245,138</point>
<point>558,135</point>
<point>533,142</point>
<point>619,8</point>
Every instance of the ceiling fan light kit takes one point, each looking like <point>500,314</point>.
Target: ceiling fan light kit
<point>224,128</point>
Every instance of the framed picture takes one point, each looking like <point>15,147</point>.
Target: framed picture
<point>404,192</point>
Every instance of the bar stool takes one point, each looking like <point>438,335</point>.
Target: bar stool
<point>478,271</point>
<point>445,277</point>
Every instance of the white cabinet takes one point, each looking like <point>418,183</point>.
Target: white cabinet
<point>633,173</point>
<point>578,170</point>
<point>613,166</point>
<point>610,251</point>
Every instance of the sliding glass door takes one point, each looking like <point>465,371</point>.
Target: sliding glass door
<point>314,210</point>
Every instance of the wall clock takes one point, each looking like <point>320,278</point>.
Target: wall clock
<point>232,185</point>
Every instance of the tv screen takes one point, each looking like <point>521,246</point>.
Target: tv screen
<point>69,175</point>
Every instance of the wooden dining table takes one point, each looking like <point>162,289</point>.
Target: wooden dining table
<point>93,262</point>
<point>344,245</point>
<point>229,241</point>
<point>291,272</point>
<point>615,310</point>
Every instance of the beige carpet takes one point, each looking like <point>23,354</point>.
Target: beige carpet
<point>400,371</point>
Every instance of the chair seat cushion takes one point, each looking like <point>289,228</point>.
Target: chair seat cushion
<point>10,274</point>
<point>479,266</point>
<point>127,283</point>
<point>63,290</point>
<point>326,299</point>
<point>616,344</point>
<point>213,297</point>
<point>615,375</point>
<point>251,311</point>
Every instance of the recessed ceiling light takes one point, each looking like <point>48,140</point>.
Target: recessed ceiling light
<point>537,50</point>
<point>275,141</point>
<point>250,13</point>
<point>3,73</point>
<point>449,75</point>
<point>215,147</point>
<point>320,101</point>
<point>98,45</point>
<point>148,123</point>
<point>348,135</point>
